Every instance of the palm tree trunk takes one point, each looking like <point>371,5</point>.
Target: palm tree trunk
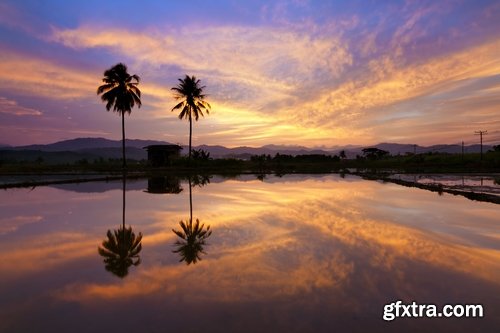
<point>123,200</point>
<point>123,141</point>
<point>190,134</point>
<point>190,202</point>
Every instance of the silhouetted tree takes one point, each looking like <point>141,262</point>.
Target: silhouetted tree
<point>121,250</point>
<point>199,180</point>
<point>201,155</point>
<point>122,246</point>
<point>342,154</point>
<point>192,102</point>
<point>192,236</point>
<point>120,92</point>
<point>374,153</point>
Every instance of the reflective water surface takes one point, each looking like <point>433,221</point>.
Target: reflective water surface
<point>290,254</point>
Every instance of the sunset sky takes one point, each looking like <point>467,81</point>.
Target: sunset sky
<point>302,72</point>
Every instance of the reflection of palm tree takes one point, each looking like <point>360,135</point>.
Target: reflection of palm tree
<point>199,180</point>
<point>120,92</point>
<point>193,239</point>
<point>192,102</point>
<point>192,236</point>
<point>121,249</point>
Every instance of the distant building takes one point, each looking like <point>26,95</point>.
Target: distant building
<point>161,155</point>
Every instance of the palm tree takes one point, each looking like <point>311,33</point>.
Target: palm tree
<point>192,236</point>
<point>192,102</point>
<point>122,247</point>
<point>192,241</point>
<point>120,92</point>
<point>121,250</point>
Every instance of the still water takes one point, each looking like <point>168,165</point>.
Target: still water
<point>290,254</point>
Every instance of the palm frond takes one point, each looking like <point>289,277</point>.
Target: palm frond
<point>184,113</point>
<point>120,92</point>
<point>105,87</point>
<point>178,106</point>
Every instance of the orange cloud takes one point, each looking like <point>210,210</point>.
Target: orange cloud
<point>31,75</point>
<point>11,107</point>
<point>46,252</point>
<point>12,224</point>
<point>249,55</point>
<point>387,88</point>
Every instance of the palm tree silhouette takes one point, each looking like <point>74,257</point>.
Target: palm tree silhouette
<point>120,92</point>
<point>122,247</point>
<point>192,102</point>
<point>199,180</point>
<point>192,236</point>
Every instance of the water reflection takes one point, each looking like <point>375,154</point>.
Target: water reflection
<point>192,240</point>
<point>164,184</point>
<point>192,236</point>
<point>122,247</point>
<point>199,180</point>
<point>293,254</point>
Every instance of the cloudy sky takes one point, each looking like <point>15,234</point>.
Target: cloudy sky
<point>301,72</point>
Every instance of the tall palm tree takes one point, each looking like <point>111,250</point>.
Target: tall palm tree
<point>192,102</point>
<point>120,92</point>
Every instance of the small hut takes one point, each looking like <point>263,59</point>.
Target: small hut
<point>161,155</point>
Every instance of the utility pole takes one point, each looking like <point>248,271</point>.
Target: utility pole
<point>481,133</point>
<point>462,150</point>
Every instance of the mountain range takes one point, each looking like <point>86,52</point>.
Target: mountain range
<point>94,148</point>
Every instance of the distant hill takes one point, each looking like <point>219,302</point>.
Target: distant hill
<point>285,147</point>
<point>245,152</point>
<point>68,156</point>
<point>70,151</point>
<point>91,143</point>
